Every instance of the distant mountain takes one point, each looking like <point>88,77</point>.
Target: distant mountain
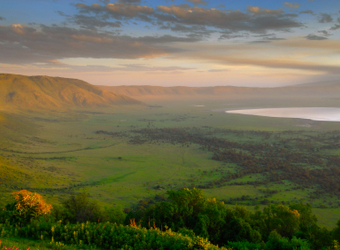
<point>140,91</point>
<point>20,92</point>
<point>322,90</point>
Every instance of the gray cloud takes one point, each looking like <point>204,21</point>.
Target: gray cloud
<point>2,18</point>
<point>336,26</point>
<point>270,37</point>
<point>315,37</point>
<point>229,35</point>
<point>196,2</point>
<point>196,32</point>
<point>275,38</point>
<point>307,12</point>
<point>324,32</point>
<point>325,18</point>
<point>22,44</point>
<point>91,22</point>
<point>261,41</point>
<point>165,39</point>
<point>232,20</point>
<point>181,17</point>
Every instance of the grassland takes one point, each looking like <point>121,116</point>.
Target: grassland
<point>62,154</point>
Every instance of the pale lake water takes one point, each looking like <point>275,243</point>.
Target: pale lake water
<point>313,113</point>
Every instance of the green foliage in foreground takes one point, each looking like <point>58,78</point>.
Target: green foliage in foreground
<point>106,236</point>
<point>211,219</point>
<point>28,244</point>
<point>187,220</point>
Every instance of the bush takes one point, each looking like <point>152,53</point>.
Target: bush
<point>277,242</point>
<point>106,236</point>
<point>79,208</point>
<point>27,206</point>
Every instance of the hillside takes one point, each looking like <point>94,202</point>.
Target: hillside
<point>322,89</point>
<point>18,92</point>
<point>178,91</point>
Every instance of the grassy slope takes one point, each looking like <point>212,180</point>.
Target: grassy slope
<point>19,92</point>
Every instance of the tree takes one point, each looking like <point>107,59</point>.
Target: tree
<point>186,208</point>
<point>79,208</point>
<point>27,206</point>
<point>282,219</point>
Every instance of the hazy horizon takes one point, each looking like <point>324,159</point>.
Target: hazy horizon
<point>192,43</point>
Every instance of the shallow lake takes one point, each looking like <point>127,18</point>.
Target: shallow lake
<point>311,113</point>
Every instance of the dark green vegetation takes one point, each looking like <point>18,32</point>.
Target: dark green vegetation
<point>130,156</point>
<point>185,220</point>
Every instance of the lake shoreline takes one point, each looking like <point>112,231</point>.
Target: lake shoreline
<point>319,114</point>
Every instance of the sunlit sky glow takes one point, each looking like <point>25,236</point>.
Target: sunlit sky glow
<point>262,43</point>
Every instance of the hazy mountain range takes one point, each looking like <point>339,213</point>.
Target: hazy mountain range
<point>320,89</point>
<point>18,92</point>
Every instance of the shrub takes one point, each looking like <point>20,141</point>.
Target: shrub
<point>27,206</point>
<point>79,208</point>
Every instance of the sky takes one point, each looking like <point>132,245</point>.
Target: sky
<point>260,43</point>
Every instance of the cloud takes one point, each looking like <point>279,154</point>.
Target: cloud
<point>262,11</point>
<point>325,18</point>
<point>129,1</point>
<point>324,32</point>
<point>261,41</point>
<point>275,38</point>
<point>2,18</point>
<point>91,22</point>
<point>56,65</point>
<point>139,67</point>
<point>336,26</point>
<point>196,2</point>
<point>307,12</point>
<point>270,37</point>
<point>218,70</point>
<point>234,21</point>
<point>273,63</point>
<point>21,44</point>
<point>271,56</point>
<point>165,39</point>
<point>194,32</point>
<point>229,35</point>
<point>117,10</point>
<point>292,5</point>
<point>315,37</point>
<point>182,17</point>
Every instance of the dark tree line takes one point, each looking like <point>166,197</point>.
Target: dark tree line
<point>290,155</point>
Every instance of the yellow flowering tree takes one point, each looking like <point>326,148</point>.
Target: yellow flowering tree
<point>27,205</point>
